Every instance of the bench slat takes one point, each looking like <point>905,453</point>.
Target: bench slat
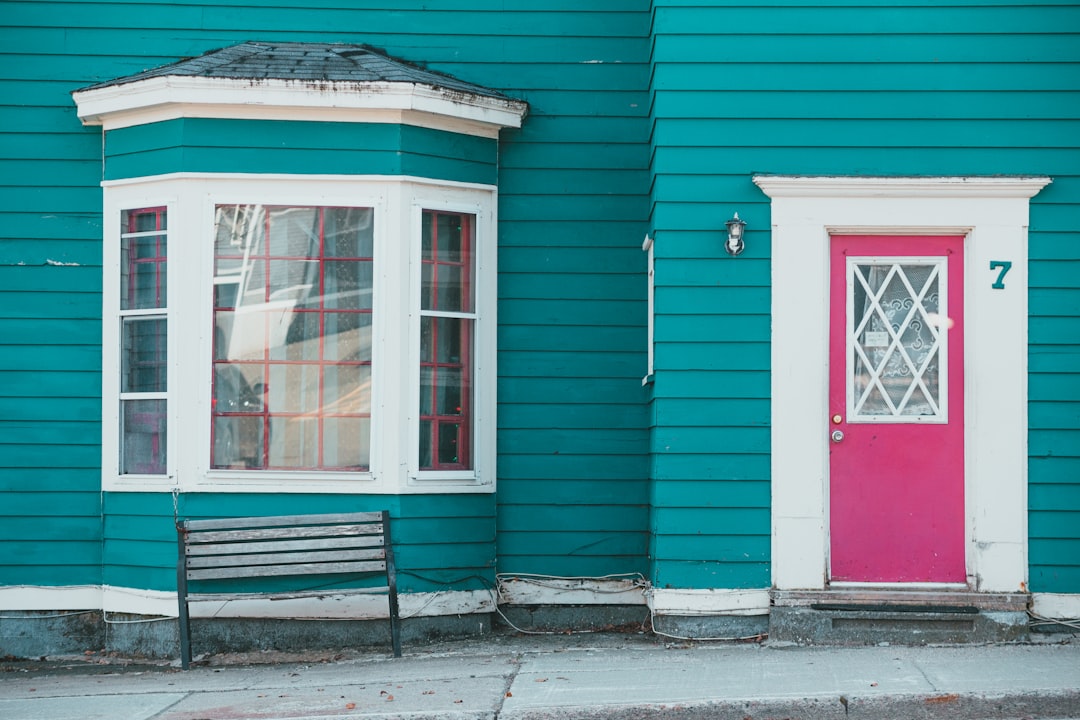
<point>276,520</point>
<point>352,541</point>
<point>196,538</point>
<point>281,558</point>
<point>222,597</point>
<point>281,570</point>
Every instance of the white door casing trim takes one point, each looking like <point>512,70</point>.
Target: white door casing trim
<point>992,214</point>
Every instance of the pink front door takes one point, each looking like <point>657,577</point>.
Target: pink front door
<point>896,405</point>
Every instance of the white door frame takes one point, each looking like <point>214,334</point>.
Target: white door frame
<point>992,214</point>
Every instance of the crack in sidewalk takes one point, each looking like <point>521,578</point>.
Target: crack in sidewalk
<point>516,663</point>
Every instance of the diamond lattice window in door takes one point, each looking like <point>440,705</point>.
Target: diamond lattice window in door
<point>897,339</point>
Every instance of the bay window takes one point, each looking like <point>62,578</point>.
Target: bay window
<point>278,334</point>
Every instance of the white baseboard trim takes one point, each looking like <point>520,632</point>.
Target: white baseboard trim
<point>155,603</point>
<point>35,598</point>
<point>350,607</point>
<point>1057,606</point>
<point>539,590</point>
<point>708,602</point>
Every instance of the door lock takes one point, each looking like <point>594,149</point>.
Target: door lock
<point>837,435</point>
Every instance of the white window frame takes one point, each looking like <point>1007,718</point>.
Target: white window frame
<point>941,417</point>
<point>992,214</point>
<point>484,281</point>
<point>190,199</point>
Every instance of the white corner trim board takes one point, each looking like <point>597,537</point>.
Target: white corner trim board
<point>992,214</point>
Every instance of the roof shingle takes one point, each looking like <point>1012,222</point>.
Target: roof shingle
<point>304,62</point>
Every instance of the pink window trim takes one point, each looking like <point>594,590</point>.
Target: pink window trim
<point>463,419</point>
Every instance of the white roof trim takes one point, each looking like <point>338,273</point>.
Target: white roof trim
<point>173,96</point>
<point>939,187</point>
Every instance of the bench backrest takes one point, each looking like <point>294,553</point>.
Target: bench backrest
<point>286,545</point>
<point>281,546</point>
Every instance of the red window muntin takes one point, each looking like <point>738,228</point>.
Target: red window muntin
<point>144,340</point>
<point>448,321</point>
<point>278,403</point>
<point>146,258</point>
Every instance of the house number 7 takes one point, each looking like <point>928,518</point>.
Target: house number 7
<point>1005,266</point>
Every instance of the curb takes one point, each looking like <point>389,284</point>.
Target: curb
<point>953,706</point>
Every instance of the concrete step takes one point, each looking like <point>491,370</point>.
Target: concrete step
<point>895,617</point>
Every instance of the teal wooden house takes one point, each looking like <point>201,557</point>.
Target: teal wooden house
<point>737,319</point>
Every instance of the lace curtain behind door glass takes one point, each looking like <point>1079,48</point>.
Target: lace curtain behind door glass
<point>897,341</point>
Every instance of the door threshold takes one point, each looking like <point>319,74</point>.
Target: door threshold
<point>902,596</point>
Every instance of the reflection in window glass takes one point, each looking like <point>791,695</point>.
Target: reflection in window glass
<point>143,340</point>
<point>292,337</point>
<point>142,433</point>
<point>447,324</point>
<point>143,366</point>
<point>896,348</point>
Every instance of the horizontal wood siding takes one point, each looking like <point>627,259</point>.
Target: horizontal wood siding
<point>270,146</point>
<point>573,203</point>
<point>441,542</point>
<point>50,321</point>
<point>811,87</point>
<point>573,184</point>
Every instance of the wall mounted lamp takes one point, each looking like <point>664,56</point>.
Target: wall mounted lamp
<point>735,228</point>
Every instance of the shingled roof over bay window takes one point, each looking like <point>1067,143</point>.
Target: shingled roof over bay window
<point>299,81</point>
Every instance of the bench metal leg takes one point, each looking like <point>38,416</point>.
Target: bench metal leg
<point>185,636</point>
<point>182,602</point>
<point>391,581</point>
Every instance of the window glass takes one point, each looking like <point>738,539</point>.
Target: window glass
<point>446,340</point>
<point>143,437</point>
<point>143,367</point>
<point>143,340</point>
<point>896,345</point>
<point>292,337</point>
<point>447,264</point>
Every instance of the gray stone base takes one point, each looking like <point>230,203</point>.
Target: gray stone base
<point>809,626</point>
<point>34,635</point>
<point>255,635</point>
<point>570,618</point>
<point>713,627</point>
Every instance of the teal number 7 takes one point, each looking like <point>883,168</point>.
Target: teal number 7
<point>1005,266</point>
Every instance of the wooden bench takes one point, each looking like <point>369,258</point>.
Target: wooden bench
<point>348,545</point>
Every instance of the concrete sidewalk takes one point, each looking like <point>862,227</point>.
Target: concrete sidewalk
<point>581,676</point>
